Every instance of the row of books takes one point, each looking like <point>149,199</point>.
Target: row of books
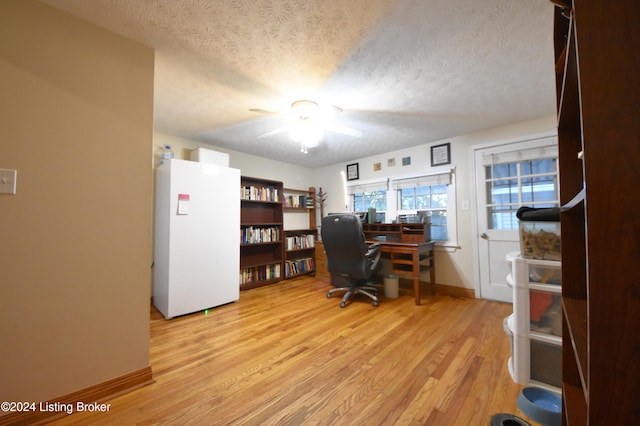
<point>259,273</point>
<point>251,235</point>
<point>299,266</point>
<point>298,201</point>
<point>259,193</point>
<point>298,242</point>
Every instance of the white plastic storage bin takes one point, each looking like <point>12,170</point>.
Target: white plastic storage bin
<point>539,233</point>
<point>535,327</point>
<point>535,360</point>
<point>540,240</point>
<point>546,363</point>
<point>545,312</point>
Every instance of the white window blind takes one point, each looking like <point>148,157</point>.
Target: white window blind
<point>425,180</point>
<point>367,187</point>
<point>520,155</point>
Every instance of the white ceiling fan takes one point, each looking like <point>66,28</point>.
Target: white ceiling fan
<point>308,122</point>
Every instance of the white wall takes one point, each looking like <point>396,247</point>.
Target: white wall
<point>292,176</point>
<point>454,268</point>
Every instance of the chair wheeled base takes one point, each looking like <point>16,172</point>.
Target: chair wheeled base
<point>370,291</point>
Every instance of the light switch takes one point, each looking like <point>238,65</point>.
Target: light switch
<point>8,181</point>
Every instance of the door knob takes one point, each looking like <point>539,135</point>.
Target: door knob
<point>484,236</point>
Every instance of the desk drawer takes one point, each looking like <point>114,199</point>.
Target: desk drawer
<point>399,260</point>
<point>402,261</point>
<point>415,238</point>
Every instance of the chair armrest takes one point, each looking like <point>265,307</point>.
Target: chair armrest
<point>374,254</point>
<point>373,247</point>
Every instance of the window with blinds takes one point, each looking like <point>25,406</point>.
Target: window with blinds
<point>370,195</point>
<point>520,178</point>
<point>433,194</point>
<point>430,194</point>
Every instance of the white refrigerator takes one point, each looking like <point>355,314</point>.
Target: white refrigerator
<point>197,244</point>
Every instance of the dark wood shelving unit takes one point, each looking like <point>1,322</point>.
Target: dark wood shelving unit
<point>300,244</point>
<point>300,252</point>
<point>596,45</point>
<point>261,232</point>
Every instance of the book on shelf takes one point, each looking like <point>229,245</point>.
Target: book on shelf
<point>298,201</point>
<point>298,242</point>
<point>299,266</point>
<point>259,193</point>
<point>259,273</point>
<point>256,235</point>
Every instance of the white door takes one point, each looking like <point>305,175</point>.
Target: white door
<point>508,176</point>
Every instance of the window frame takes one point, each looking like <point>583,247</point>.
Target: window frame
<point>393,207</point>
<point>401,211</point>
<point>367,186</point>
<point>519,177</point>
<point>451,209</point>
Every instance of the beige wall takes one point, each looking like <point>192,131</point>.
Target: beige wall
<point>75,241</point>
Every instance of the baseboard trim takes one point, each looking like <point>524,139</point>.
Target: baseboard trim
<point>450,290</point>
<point>97,393</point>
<point>447,290</point>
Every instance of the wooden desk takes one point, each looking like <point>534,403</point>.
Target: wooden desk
<point>322,269</point>
<point>411,259</point>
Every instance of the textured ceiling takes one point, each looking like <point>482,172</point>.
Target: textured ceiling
<point>404,72</point>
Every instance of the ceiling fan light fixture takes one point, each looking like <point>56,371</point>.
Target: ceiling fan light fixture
<point>308,134</point>
<point>305,111</point>
<point>308,122</point>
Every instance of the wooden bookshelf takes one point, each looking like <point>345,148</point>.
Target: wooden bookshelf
<point>598,128</point>
<point>300,244</point>
<point>261,232</point>
<point>300,252</point>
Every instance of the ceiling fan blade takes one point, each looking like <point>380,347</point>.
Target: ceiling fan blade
<point>273,132</point>
<point>336,128</point>
<point>263,111</point>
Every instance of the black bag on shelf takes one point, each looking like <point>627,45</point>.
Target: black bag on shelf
<point>531,214</point>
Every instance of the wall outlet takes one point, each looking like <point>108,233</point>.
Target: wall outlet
<point>8,181</point>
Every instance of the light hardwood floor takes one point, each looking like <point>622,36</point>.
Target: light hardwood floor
<point>287,355</point>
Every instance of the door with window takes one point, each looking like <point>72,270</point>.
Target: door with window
<point>507,177</point>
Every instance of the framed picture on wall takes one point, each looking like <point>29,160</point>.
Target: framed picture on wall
<point>441,154</point>
<point>352,171</point>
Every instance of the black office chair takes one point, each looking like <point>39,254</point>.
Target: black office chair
<point>349,257</point>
